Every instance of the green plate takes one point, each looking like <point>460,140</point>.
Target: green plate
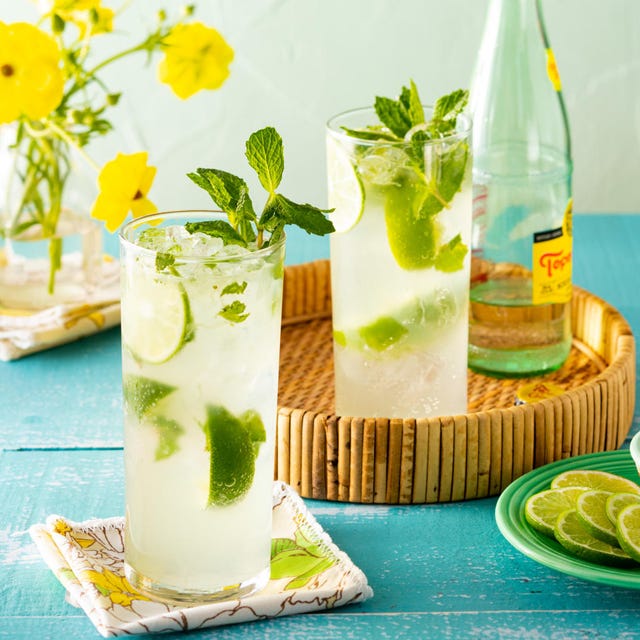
<point>514,527</point>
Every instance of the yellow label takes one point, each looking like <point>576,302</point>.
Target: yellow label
<point>552,70</point>
<point>552,263</point>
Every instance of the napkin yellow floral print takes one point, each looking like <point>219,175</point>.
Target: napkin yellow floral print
<point>308,573</point>
<point>124,184</point>
<point>31,81</point>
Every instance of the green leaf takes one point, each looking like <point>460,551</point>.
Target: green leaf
<point>451,255</point>
<point>370,133</point>
<point>278,545</point>
<point>305,216</point>
<point>217,229</point>
<point>393,115</point>
<point>450,106</point>
<point>410,98</point>
<point>169,431</point>
<point>234,288</point>
<point>231,194</point>
<point>234,312</point>
<point>266,156</point>
<point>164,260</point>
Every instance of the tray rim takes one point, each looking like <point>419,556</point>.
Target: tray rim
<point>616,379</point>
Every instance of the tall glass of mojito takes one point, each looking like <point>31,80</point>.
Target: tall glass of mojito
<point>200,336</point>
<point>399,179</point>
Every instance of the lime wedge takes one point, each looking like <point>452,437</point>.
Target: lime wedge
<point>589,479</point>
<point>542,509</point>
<point>414,239</point>
<point>417,320</point>
<point>570,533</point>
<point>157,322</point>
<point>141,394</point>
<point>346,193</point>
<point>592,511</point>
<point>233,445</point>
<point>628,529</point>
<point>617,502</point>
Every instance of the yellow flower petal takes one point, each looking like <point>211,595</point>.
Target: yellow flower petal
<point>196,57</point>
<point>31,79</point>
<point>124,183</point>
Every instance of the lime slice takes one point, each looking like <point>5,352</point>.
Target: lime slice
<point>141,394</point>
<point>233,445</point>
<point>617,502</point>
<point>592,511</point>
<point>346,193</point>
<point>601,480</point>
<point>628,528</point>
<point>570,533</point>
<point>542,509</point>
<point>157,322</point>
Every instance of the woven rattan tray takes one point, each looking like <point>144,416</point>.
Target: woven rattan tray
<point>424,460</point>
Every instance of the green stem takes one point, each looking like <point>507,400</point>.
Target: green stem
<point>61,133</point>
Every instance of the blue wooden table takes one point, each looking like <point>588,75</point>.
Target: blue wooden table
<point>437,571</point>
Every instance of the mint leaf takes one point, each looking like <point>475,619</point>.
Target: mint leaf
<point>164,260</point>
<point>266,156</point>
<point>449,107</point>
<point>306,216</point>
<point>451,255</point>
<point>217,229</point>
<point>264,152</point>
<point>393,115</point>
<point>370,133</point>
<point>234,312</point>
<point>234,287</point>
<point>231,194</point>
<point>410,99</point>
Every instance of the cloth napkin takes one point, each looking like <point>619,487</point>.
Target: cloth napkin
<point>25,331</point>
<point>87,558</point>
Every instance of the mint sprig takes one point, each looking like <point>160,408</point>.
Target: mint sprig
<point>411,214</point>
<point>265,153</point>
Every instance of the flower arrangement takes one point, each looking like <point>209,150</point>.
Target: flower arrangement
<point>56,103</point>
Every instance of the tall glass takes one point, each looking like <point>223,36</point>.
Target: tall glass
<point>400,262</point>
<point>201,338</point>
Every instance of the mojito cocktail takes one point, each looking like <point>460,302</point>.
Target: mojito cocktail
<point>201,336</point>
<point>400,260</point>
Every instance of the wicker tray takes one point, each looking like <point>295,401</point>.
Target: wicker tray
<point>425,460</point>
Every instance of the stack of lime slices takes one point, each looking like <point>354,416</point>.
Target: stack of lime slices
<point>594,515</point>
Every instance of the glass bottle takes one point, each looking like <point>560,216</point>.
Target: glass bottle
<point>520,312</point>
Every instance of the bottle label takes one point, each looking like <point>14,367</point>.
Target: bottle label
<point>552,262</point>
<point>552,70</point>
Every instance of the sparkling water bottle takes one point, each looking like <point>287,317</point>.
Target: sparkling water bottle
<point>520,313</point>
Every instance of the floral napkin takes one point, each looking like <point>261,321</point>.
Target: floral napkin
<point>25,331</point>
<point>308,573</point>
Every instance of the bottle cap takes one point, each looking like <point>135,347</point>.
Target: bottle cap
<point>536,391</point>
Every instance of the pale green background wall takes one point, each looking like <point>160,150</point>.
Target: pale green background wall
<point>300,61</point>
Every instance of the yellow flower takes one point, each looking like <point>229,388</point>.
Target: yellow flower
<point>124,184</point>
<point>31,81</point>
<point>115,587</point>
<point>103,21</point>
<point>196,57</point>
